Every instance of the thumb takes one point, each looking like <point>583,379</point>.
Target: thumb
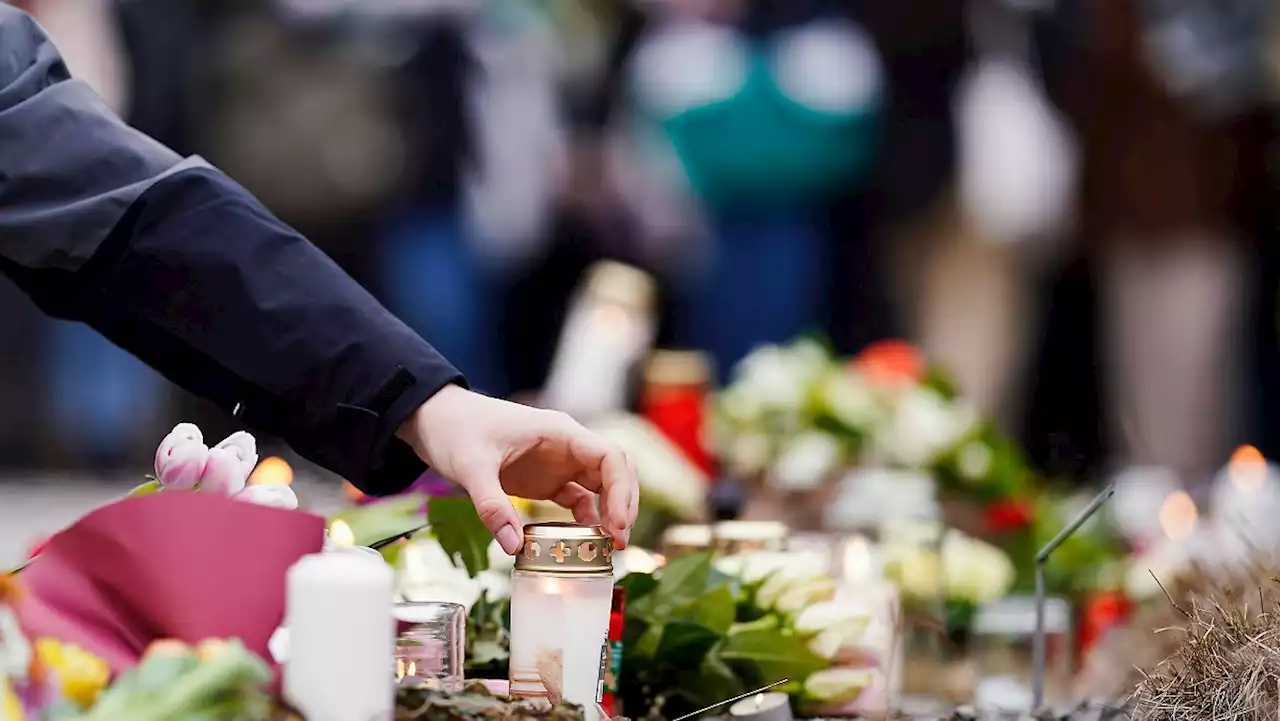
<point>494,508</point>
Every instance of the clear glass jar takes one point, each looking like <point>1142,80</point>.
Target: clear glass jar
<point>430,643</point>
<point>561,596</point>
<point>1003,638</point>
<point>894,533</point>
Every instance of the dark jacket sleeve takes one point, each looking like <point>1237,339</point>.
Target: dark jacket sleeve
<point>182,267</point>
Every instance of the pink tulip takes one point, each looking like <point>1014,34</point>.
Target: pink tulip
<point>181,457</point>
<point>224,473</point>
<point>273,496</point>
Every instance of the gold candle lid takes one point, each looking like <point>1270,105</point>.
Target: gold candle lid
<point>685,538</point>
<point>729,537</point>
<point>565,548</point>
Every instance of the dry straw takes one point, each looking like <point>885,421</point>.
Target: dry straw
<point>1225,662</point>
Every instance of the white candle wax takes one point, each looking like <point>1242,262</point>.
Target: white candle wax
<point>762,707</point>
<point>559,628</point>
<point>341,638</point>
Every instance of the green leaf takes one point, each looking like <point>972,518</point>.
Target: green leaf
<point>774,654</point>
<point>714,610</point>
<point>713,681</point>
<point>637,585</point>
<point>766,623</point>
<point>685,643</point>
<point>682,580</point>
<point>646,644</point>
<point>151,486</point>
<point>460,531</point>
<point>384,519</point>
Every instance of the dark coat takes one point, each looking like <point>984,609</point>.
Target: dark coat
<point>178,264</point>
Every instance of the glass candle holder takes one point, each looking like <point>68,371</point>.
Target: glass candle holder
<point>430,644</point>
<point>732,537</point>
<point>1003,635</point>
<point>561,595</point>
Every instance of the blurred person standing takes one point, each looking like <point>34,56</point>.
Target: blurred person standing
<point>770,110</point>
<point>1167,98</point>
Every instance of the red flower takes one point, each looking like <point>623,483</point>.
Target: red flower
<point>1008,515</point>
<point>891,362</point>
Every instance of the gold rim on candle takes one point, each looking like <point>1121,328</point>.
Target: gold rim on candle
<point>565,548</point>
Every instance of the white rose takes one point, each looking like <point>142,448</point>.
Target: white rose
<point>428,574</point>
<point>918,573</point>
<point>921,425</point>
<point>749,453</point>
<point>769,376</point>
<point>495,585</point>
<point>806,461</point>
<point>975,570</point>
<point>739,405</point>
<point>499,560</point>
<point>849,399</point>
<point>974,461</point>
<point>273,496</point>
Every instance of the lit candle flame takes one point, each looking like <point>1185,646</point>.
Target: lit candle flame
<point>272,472</point>
<point>341,535</point>
<point>857,559</point>
<point>1178,515</point>
<point>1247,469</point>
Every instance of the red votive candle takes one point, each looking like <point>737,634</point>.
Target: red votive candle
<point>617,622</point>
<point>674,397</point>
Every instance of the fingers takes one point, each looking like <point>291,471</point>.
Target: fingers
<point>493,505</point>
<point>608,471</point>
<point>579,500</point>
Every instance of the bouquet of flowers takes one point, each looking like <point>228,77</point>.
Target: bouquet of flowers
<point>795,415</point>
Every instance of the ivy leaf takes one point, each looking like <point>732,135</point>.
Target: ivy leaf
<point>714,610</point>
<point>685,643</point>
<point>774,654</point>
<point>461,533</point>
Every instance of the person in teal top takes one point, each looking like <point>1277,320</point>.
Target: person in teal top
<point>768,130</point>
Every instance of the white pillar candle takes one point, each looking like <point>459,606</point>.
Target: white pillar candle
<point>609,329</point>
<point>341,638</point>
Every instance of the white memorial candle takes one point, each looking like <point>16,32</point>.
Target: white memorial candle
<point>561,595</point>
<point>341,638</point>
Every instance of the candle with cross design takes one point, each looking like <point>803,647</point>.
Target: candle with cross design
<point>561,594</point>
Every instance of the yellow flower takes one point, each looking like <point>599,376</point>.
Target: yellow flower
<point>82,675</point>
<point>10,709</point>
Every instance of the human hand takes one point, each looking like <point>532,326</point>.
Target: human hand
<point>494,448</point>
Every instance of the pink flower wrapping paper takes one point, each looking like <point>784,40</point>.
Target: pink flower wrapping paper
<point>187,566</point>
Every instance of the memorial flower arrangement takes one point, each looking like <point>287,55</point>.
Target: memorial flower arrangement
<point>795,415</point>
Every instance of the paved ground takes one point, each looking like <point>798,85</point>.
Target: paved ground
<point>32,507</point>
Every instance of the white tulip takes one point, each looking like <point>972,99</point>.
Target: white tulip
<point>807,461</point>
<point>837,686</point>
<point>835,624</point>
<point>795,598</point>
<point>273,496</point>
<point>428,574</point>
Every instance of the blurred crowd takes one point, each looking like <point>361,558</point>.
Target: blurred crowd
<point>1069,202</point>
